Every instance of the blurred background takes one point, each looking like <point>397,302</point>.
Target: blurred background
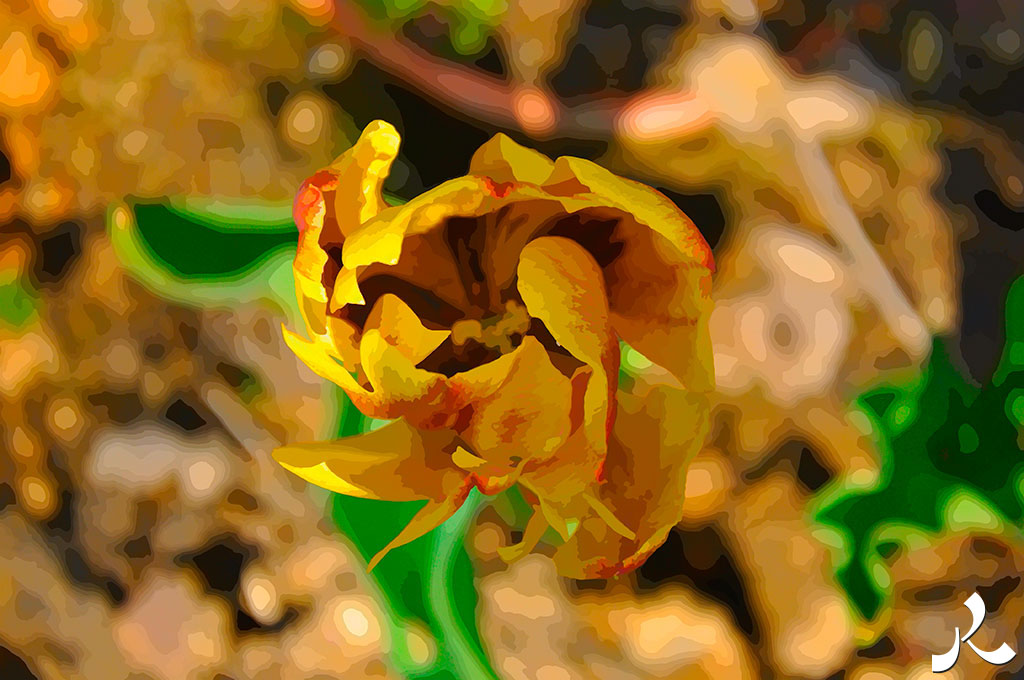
<point>855,164</point>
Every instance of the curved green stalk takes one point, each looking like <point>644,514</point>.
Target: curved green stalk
<point>464,654</point>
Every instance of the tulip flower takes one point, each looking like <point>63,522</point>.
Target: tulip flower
<point>484,318</point>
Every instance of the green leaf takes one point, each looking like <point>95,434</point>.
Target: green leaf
<point>221,258</point>
<point>951,458</point>
<point>429,580</point>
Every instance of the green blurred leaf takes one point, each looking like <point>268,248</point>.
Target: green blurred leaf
<point>207,259</point>
<point>951,455</point>
<point>429,579</point>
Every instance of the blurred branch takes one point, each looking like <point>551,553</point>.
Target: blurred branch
<point>497,101</point>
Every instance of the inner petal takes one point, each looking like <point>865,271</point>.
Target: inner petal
<point>461,276</point>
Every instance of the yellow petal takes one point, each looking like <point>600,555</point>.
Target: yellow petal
<point>310,214</point>
<point>396,462</point>
<point>658,429</point>
<point>361,173</point>
<point>399,326</point>
<point>399,388</point>
<point>346,290</point>
<point>380,239</point>
<point>562,285</point>
<point>605,513</point>
<point>317,354</point>
<point>648,206</point>
<point>535,528</point>
<point>659,286</point>
<point>520,408</point>
<point>431,516</point>
<point>503,160</point>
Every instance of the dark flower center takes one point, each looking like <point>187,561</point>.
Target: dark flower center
<point>487,319</point>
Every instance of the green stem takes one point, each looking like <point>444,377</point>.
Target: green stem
<point>466,660</point>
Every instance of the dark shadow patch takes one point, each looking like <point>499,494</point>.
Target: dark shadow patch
<point>137,548</point>
<point>434,142</point>
<point>800,459</point>
<point>13,667</point>
<point>995,594</point>
<point>880,650</point>
<point>84,575</point>
<point>1001,214</point>
<point>189,335</point>
<point>275,93</point>
<point>184,415</point>
<point>700,559</point>
<point>120,408</point>
<point>5,167</point>
<point>7,497</point>
<point>57,250</point>
<point>929,594</point>
<point>220,563</point>
<point>236,377</point>
<point>810,471</point>
<point>491,61</point>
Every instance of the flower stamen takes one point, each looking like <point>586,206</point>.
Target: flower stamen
<point>496,332</point>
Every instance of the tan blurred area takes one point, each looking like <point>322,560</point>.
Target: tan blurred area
<point>146,531</point>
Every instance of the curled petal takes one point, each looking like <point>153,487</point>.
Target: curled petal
<point>318,355</point>
<point>400,327</point>
<point>399,388</point>
<point>310,212</point>
<point>333,203</point>
<point>346,290</point>
<point>535,529</point>
<point>562,285</point>
<point>361,172</point>
<point>393,463</point>
<point>648,206</point>
<point>658,429</point>
<point>659,286</point>
<point>503,160</point>
<point>518,407</point>
<point>380,239</point>
<point>431,515</point>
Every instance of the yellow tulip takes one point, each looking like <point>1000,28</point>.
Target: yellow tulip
<point>483,318</point>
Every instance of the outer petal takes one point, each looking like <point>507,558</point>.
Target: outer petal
<point>430,516</point>
<point>320,358</point>
<point>329,205</point>
<point>310,212</point>
<point>658,429</point>
<point>361,173</point>
<point>503,160</point>
<point>394,463</point>
<point>659,286</point>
